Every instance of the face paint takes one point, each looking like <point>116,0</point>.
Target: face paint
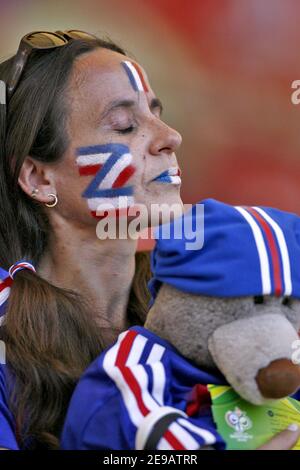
<point>111,165</point>
<point>170,176</point>
<point>135,76</point>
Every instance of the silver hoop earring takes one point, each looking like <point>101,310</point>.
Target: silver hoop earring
<point>54,202</point>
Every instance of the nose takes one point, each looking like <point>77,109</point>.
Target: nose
<point>279,379</point>
<point>165,139</point>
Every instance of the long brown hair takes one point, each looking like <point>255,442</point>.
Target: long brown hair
<point>49,332</point>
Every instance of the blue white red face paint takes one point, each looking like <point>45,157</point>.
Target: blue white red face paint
<point>169,176</point>
<point>135,76</point>
<point>112,166</point>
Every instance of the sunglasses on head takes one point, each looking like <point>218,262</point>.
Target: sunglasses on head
<point>42,40</point>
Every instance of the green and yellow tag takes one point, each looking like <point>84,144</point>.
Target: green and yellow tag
<point>244,426</point>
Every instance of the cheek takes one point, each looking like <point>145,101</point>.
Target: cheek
<point>69,185</point>
<point>112,170</point>
<point>140,164</point>
<point>71,204</point>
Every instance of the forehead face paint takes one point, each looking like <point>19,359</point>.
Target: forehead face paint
<point>111,165</point>
<point>135,76</point>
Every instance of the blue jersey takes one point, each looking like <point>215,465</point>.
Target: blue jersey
<point>141,394</point>
<point>7,425</point>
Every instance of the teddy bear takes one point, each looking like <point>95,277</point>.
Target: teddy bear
<point>226,311</point>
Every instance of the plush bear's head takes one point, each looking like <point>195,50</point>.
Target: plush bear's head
<point>234,303</point>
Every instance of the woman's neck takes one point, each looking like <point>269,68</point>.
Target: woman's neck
<point>100,270</point>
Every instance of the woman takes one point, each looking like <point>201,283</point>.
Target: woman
<point>74,96</point>
<point>69,99</point>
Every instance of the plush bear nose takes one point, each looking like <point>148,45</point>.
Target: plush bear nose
<point>279,379</point>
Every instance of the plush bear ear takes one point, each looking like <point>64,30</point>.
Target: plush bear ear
<point>247,352</point>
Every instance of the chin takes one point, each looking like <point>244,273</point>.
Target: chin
<point>163,206</point>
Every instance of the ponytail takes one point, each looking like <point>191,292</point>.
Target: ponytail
<point>50,340</point>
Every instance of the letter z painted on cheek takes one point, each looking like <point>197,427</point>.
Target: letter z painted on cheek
<point>111,165</point>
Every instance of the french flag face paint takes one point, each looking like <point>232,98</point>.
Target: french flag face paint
<point>135,76</point>
<point>112,166</point>
<point>170,176</point>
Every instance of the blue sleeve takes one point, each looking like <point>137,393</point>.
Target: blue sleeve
<point>127,402</point>
<point>7,427</point>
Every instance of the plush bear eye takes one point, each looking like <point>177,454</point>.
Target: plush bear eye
<point>286,301</point>
<point>258,299</point>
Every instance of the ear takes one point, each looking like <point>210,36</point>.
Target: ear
<point>37,178</point>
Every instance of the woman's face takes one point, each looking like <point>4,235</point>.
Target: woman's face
<point>118,142</point>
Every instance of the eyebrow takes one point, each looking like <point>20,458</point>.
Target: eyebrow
<point>155,103</point>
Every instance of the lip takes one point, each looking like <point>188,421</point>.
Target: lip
<point>169,176</point>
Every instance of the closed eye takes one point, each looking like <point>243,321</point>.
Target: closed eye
<point>126,131</point>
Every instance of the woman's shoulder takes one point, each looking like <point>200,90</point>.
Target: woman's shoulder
<point>7,425</point>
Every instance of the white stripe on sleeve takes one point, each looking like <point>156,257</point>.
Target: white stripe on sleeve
<point>115,374</point>
<point>164,445</point>
<point>140,375</point>
<point>206,435</point>
<point>149,423</point>
<point>184,437</point>
<point>156,354</point>
<point>136,351</point>
<point>159,381</point>
<point>158,372</point>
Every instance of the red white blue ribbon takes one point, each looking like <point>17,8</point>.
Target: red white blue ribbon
<point>6,281</point>
<point>18,267</point>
